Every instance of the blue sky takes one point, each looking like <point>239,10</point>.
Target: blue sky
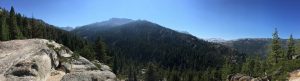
<point>227,19</point>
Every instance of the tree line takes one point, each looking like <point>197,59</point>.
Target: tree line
<point>171,63</point>
<point>281,60</point>
<point>16,26</point>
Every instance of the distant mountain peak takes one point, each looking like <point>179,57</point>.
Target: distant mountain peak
<point>113,22</point>
<point>120,19</point>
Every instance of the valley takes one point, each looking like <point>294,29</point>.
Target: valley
<point>146,46</point>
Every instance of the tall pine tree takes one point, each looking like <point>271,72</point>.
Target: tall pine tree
<point>34,29</point>
<point>130,75</point>
<point>291,48</point>
<point>27,28</point>
<point>115,65</point>
<point>4,32</point>
<point>100,49</point>
<point>275,54</point>
<point>15,32</point>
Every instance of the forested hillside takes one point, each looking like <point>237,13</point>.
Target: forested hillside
<point>251,46</point>
<point>15,26</point>
<point>256,46</point>
<point>176,56</point>
<point>282,58</point>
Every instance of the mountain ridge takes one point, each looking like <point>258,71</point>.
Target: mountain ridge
<point>146,42</point>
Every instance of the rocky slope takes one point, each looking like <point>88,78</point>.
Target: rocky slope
<point>43,60</point>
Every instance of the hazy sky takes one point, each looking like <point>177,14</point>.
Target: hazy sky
<point>227,19</point>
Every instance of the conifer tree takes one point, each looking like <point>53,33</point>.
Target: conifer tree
<point>33,25</point>
<point>27,28</point>
<point>151,74</point>
<point>291,48</point>
<point>226,69</point>
<point>115,65</point>
<point>257,66</point>
<point>87,52</point>
<point>100,50</point>
<point>275,54</point>
<point>15,32</point>
<point>130,75</point>
<point>19,20</point>
<point>248,66</point>
<point>4,32</point>
<point>245,67</point>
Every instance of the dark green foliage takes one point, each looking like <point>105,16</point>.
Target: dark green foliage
<point>254,66</point>
<point>208,75</point>
<point>15,32</point>
<point>248,66</point>
<point>151,74</point>
<point>88,52</point>
<point>175,77</point>
<point>226,69</point>
<point>132,76</point>
<point>26,28</point>
<point>141,42</point>
<point>278,65</point>
<point>280,70</point>
<point>276,53</point>
<point>4,32</point>
<point>291,48</point>
<point>100,50</point>
<point>115,65</point>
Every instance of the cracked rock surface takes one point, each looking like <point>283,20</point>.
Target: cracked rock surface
<point>39,60</point>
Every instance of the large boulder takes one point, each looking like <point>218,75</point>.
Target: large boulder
<point>44,60</point>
